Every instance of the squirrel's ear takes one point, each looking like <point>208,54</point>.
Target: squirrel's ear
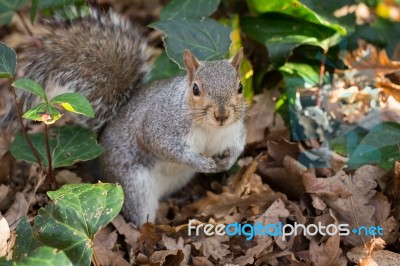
<point>236,60</point>
<point>191,64</point>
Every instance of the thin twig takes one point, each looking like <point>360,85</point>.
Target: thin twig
<point>50,164</point>
<point>21,123</point>
<point>95,260</point>
<point>40,179</point>
<point>21,17</point>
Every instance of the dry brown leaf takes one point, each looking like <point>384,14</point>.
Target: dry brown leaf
<point>17,210</point>
<point>369,61</point>
<point>172,244</point>
<point>328,253</point>
<point>264,244</point>
<point>167,257</point>
<point>67,177</point>
<point>201,261</point>
<point>4,236</point>
<point>262,116</point>
<point>287,180</point>
<point>128,230</point>
<point>330,188</point>
<point>395,188</point>
<point>242,182</point>
<point>389,88</point>
<point>148,238</point>
<point>372,254</point>
<point>278,150</point>
<point>213,246</point>
<point>273,213</point>
<point>382,217</point>
<point>4,197</point>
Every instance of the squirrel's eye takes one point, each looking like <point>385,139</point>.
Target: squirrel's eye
<point>240,89</point>
<point>196,90</point>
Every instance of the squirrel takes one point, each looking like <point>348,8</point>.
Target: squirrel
<point>156,136</point>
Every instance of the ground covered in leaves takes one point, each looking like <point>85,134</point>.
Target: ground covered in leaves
<point>272,183</point>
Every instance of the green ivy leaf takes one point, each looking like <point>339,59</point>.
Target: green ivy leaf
<point>8,61</point>
<point>164,68</point>
<point>282,33</point>
<point>31,86</point>
<point>206,38</point>
<point>57,3</point>
<point>33,11</point>
<point>25,243</point>
<point>293,8</point>
<point>380,146</point>
<point>68,145</point>
<point>46,256</point>
<point>188,9</point>
<point>74,103</point>
<point>78,212</point>
<point>7,9</point>
<point>43,113</point>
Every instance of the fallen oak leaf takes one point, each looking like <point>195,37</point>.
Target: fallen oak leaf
<point>213,246</point>
<point>167,257</point>
<point>148,238</point>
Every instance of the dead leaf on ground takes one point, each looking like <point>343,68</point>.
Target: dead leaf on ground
<point>373,254</point>
<point>264,244</point>
<point>4,236</point>
<point>167,257</point>
<point>17,210</point>
<point>67,177</point>
<point>172,244</point>
<point>213,246</point>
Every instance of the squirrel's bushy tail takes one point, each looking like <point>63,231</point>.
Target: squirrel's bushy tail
<point>102,57</point>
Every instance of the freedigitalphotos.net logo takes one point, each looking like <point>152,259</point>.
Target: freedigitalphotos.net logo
<point>279,229</point>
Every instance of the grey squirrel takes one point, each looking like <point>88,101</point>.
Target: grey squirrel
<point>156,136</point>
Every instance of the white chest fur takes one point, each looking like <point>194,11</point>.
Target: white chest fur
<point>213,141</point>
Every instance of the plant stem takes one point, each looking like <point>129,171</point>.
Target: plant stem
<point>50,164</point>
<point>21,123</point>
<point>321,78</point>
<point>24,23</point>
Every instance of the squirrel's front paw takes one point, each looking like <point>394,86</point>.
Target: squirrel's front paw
<point>224,161</point>
<point>208,166</point>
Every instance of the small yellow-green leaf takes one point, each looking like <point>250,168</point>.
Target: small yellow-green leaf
<point>74,103</point>
<point>43,113</point>
<point>31,86</point>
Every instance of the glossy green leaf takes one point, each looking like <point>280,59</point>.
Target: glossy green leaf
<point>164,68</point>
<point>43,113</point>
<point>57,3</point>
<point>46,256</point>
<point>68,145</point>
<point>8,61</point>
<point>188,9</point>
<point>293,8</point>
<point>31,86</point>
<point>33,11</point>
<point>282,33</point>
<point>78,212</point>
<point>74,103</point>
<point>380,146</point>
<point>7,9</point>
<point>25,243</point>
<point>206,39</point>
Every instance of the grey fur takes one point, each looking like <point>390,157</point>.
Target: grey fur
<point>156,137</point>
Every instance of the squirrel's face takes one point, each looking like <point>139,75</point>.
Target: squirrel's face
<point>215,92</point>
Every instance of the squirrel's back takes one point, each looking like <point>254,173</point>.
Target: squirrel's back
<point>102,57</point>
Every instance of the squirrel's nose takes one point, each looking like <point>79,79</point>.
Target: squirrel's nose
<point>221,116</point>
